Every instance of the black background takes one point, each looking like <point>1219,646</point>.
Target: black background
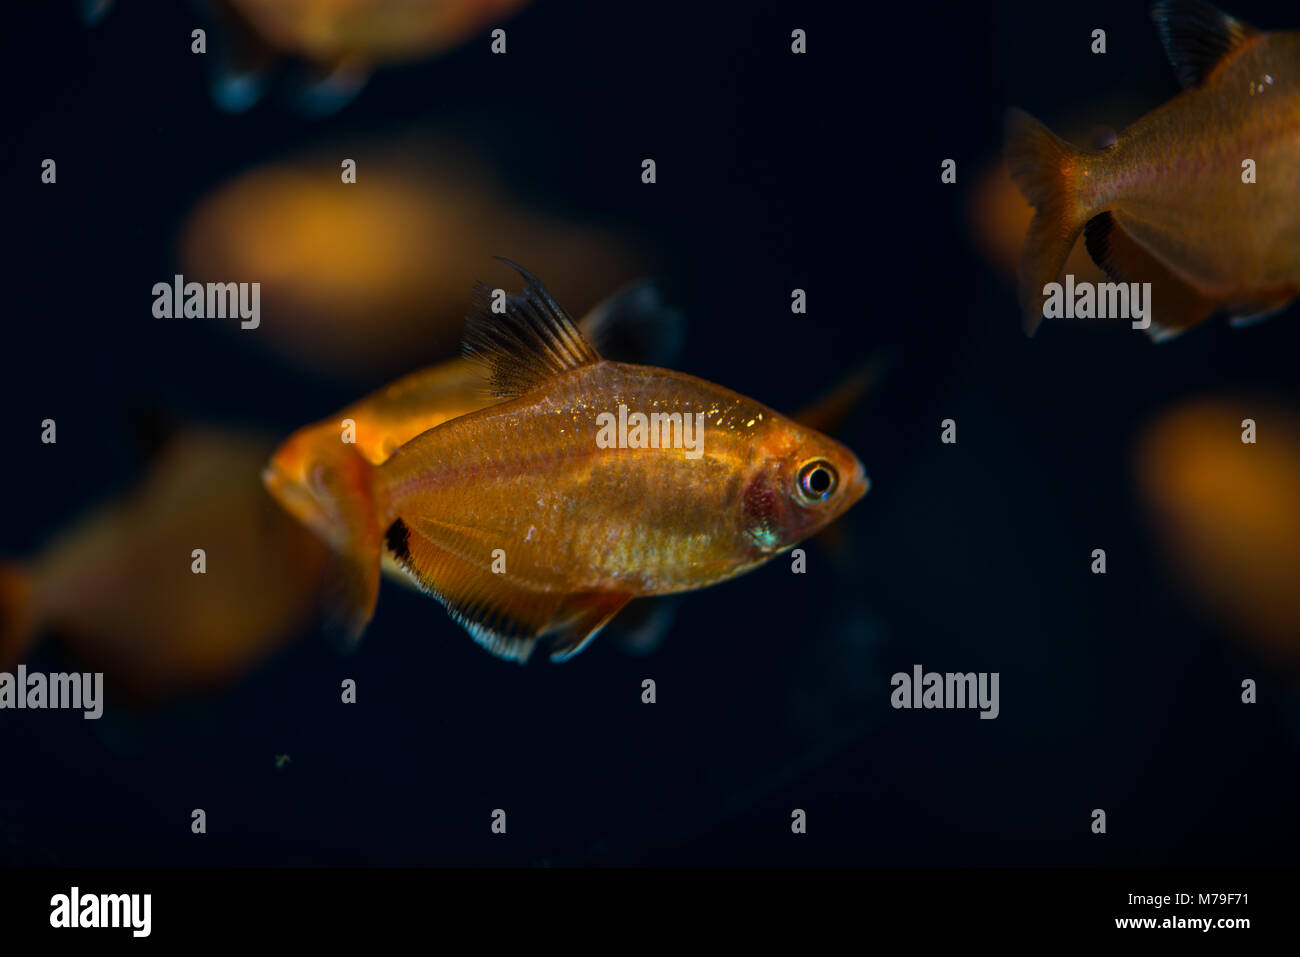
<point>774,172</point>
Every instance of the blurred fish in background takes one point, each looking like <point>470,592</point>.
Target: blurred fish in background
<point>1227,512</point>
<point>1166,200</point>
<point>119,588</point>
<point>336,43</point>
<point>368,279</point>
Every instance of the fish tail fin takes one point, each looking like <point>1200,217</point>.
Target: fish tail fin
<point>17,619</point>
<point>1045,168</point>
<point>332,489</point>
<point>353,578</point>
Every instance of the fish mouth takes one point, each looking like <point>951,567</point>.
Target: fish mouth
<point>273,480</point>
<point>286,492</point>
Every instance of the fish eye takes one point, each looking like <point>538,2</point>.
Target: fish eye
<point>817,480</point>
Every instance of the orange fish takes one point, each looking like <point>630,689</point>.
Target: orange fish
<point>632,322</point>
<point>1172,201</point>
<point>119,589</point>
<point>364,279</point>
<point>1228,511</point>
<point>543,515</point>
<point>341,40</point>
<point>344,39</point>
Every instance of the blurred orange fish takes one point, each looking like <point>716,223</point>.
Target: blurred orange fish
<point>1228,511</point>
<point>537,517</point>
<point>1168,202</point>
<point>119,589</point>
<point>342,40</point>
<point>365,279</point>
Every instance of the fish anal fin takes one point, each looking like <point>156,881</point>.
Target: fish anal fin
<point>1248,313</point>
<point>1197,37</point>
<point>506,617</point>
<point>531,341</point>
<point>1174,305</point>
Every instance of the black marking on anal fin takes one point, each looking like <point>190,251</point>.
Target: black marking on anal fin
<point>1197,37</point>
<point>1096,239</point>
<point>398,540</point>
<point>533,340</point>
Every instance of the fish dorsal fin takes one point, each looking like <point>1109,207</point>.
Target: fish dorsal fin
<point>1197,37</point>
<point>531,341</point>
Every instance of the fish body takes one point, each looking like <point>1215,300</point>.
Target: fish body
<point>529,477</point>
<point>372,31</point>
<point>340,41</point>
<point>1167,202</point>
<point>634,320</point>
<point>526,522</point>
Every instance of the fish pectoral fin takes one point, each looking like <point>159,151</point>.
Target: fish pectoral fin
<point>580,619</point>
<point>531,341</point>
<point>827,413</point>
<point>642,629</point>
<point>329,87</point>
<point>1173,304</point>
<point>1197,37</point>
<point>241,65</point>
<point>506,617</point>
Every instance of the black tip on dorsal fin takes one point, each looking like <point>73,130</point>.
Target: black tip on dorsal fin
<point>1197,37</point>
<point>531,341</point>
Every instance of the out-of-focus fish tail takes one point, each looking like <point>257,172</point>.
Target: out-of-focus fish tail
<point>352,581</point>
<point>17,617</point>
<point>1046,169</point>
